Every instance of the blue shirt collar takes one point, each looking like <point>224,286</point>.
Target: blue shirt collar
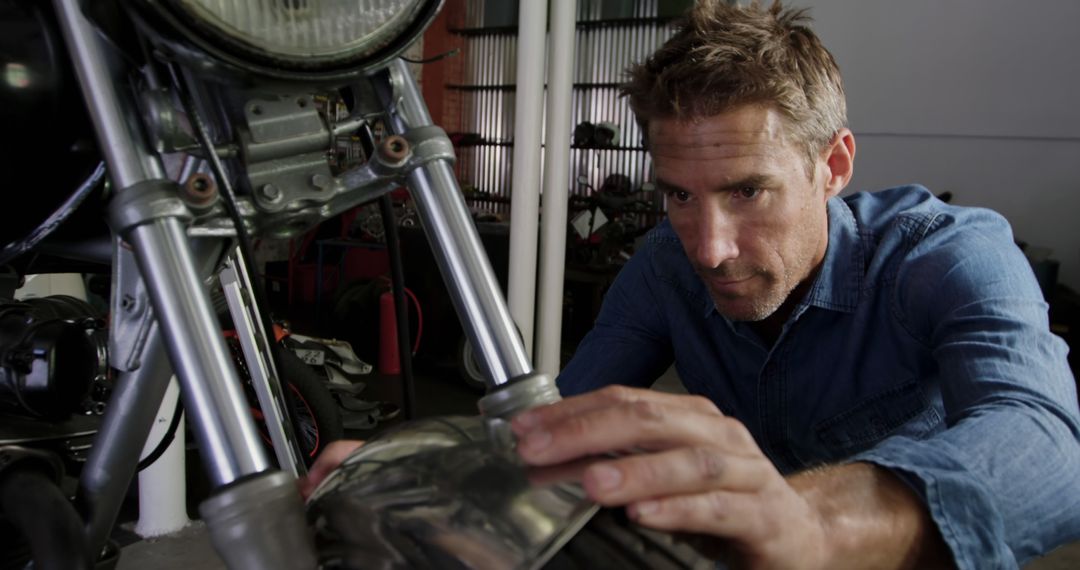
<point>837,285</point>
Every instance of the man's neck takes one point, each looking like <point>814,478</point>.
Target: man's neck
<point>769,328</point>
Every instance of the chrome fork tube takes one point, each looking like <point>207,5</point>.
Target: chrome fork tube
<point>456,245</point>
<point>212,395</point>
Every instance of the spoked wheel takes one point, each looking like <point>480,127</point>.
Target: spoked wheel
<point>315,414</point>
<point>314,411</point>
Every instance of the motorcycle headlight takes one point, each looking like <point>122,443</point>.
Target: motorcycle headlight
<point>303,35</point>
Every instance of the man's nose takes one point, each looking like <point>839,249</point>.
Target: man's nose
<point>716,242</point>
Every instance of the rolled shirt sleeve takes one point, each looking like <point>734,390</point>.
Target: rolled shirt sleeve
<point>1002,481</point>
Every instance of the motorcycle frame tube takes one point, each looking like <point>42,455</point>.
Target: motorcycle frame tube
<point>456,245</point>
<point>212,394</point>
<point>113,459</point>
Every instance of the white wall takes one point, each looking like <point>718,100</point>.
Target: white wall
<point>977,97</point>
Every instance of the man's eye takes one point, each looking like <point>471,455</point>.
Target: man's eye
<point>678,195</point>
<point>748,192</point>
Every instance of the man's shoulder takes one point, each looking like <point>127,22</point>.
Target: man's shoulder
<point>911,216</point>
<point>881,210</point>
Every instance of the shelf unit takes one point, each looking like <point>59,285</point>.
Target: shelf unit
<point>611,34</point>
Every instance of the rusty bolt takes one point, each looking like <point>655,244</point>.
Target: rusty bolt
<point>394,149</point>
<point>200,189</point>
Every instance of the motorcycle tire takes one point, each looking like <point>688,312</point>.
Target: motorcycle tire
<point>611,540</point>
<point>467,367</point>
<point>315,413</point>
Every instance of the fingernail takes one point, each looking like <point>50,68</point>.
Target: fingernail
<point>536,441</point>
<point>607,477</point>
<point>645,508</point>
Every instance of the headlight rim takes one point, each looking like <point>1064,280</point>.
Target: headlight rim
<point>182,27</point>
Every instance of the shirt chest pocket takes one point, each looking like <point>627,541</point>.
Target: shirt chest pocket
<point>901,410</point>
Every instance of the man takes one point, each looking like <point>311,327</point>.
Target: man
<point>875,384</point>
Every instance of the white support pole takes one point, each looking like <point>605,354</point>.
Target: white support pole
<point>525,197</point>
<point>162,485</point>
<point>556,179</point>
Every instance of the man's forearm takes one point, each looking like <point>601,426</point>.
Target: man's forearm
<point>871,518</point>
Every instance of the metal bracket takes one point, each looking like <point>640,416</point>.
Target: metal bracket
<point>236,284</point>
<point>284,146</point>
<point>132,319</point>
<point>145,202</point>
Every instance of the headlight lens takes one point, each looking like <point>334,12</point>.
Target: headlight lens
<point>308,32</point>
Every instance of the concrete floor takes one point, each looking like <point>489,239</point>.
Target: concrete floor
<point>191,547</point>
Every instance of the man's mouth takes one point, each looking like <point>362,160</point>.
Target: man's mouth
<point>726,282</point>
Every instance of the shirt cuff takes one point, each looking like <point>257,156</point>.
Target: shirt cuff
<point>962,507</point>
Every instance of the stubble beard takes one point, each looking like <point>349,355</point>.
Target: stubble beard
<point>760,304</point>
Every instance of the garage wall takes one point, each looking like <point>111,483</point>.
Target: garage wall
<point>977,97</point>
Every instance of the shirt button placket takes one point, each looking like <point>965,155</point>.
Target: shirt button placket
<point>772,403</point>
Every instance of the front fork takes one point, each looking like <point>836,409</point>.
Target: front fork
<point>255,514</point>
<point>513,385</point>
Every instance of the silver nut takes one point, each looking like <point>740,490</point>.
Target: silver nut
<point>271,192</point>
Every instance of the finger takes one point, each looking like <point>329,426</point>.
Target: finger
<point>735,516</point>
<point>327,461</point>
<point>643,424</point>
<point>686,470</point>
<point>604,398</point>
<point>571,472</point>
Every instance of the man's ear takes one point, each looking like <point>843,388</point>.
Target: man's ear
<point>839,158</point>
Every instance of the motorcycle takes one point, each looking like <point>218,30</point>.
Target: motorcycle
<point>187,128</point>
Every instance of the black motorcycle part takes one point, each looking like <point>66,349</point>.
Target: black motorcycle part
<point>44,118</point>
<point>48,357</point>
<point>610,540</point>
<point>32,502</point>
<point>401,308</point>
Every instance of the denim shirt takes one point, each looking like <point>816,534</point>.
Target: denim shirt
<point>923,346</point>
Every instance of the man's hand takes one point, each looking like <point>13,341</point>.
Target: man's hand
<point>677,464</point>
<point>326,462</point>
<point>691,469</point>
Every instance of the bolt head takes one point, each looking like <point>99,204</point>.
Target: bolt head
<point>271,192</point>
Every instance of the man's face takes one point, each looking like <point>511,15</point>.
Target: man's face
<point>752,220</point>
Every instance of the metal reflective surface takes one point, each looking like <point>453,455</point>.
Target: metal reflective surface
<point>457,249</point>
<point>440,493</point>
<point>221,416</point>
<point>236,284</point>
